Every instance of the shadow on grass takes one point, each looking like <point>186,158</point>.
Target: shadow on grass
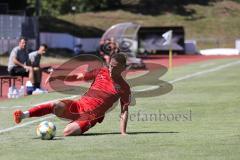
<point>57,138</point>
<point>108,133</point>
<point>129,133</point>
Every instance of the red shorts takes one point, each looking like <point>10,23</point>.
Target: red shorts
<point>74,110</point>
<point>79,110</point>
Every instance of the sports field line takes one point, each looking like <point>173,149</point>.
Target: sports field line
<point>189,76</point>
<point>70,97</point>
<point>192,75</point>
<point>205,65</point>
<point>25,124</point>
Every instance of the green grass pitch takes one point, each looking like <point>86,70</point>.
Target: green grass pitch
<point>206,123</point>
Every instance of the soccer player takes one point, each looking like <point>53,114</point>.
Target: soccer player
<point>108,86</point>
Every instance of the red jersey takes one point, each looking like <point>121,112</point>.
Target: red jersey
<point>104,91</point>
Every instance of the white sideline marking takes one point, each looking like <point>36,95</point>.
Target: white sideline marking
<point>70,97</point>
<point>173,81</point>
<point>25,124</point>
<point>192,75</point>
<point>207,65</point>
<point>145,89</point>
<point>205,71</point>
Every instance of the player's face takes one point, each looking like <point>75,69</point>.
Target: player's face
<point>22,44</point>
<point>115,68</point>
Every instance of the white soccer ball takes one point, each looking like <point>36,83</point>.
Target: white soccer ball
<point>46,130</point>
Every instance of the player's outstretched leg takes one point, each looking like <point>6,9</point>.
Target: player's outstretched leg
<point>56,108</point>
<point>78,127</point>
<point>75,128</point>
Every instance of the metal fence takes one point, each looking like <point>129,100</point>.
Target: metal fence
<point>204,43</point>
<point>12,27</point>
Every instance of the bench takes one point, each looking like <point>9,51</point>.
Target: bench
<point>10,80</point>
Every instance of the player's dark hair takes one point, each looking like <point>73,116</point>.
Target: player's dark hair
<point>44,45</point>
<point>22,38</point>
<point>120,58</point>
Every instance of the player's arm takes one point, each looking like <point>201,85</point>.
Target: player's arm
<point>31,59</point>
<point>90,75</point>
<point>84,76</point>
<point>76,77</point>
<point>69,78</point>
<point>123,119</point>
<point>15,60</point>
<point>125,101</point>
<point>18,63</point>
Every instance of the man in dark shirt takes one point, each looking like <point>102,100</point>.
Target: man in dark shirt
<point>35,59</point>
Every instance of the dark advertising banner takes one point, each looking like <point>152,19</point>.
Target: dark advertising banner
<point>150,39</point>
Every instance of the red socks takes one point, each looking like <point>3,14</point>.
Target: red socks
<point>41,110</point>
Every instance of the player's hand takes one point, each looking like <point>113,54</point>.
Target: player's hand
<point>80,76</point>
<point>27,68</point>
<point>36,68</point>
<point>124,134</point>
<point>49,78</point>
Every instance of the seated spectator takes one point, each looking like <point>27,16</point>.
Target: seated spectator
<point>35,58</point>
<point>18,64</point>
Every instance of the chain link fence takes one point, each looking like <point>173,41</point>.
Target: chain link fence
<point>12,27</point>
<point>204,43</point>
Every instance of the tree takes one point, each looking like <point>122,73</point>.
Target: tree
<point>58,7</point>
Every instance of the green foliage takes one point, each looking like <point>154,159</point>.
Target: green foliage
<point>52,24</point>
<point>55,8</point>
<point>59,7</point>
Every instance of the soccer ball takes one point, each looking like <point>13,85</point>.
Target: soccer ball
<point>46,130</point>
